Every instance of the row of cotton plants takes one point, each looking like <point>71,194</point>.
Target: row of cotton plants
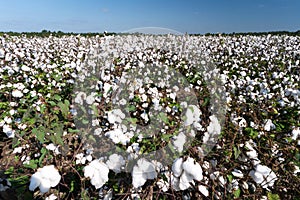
<point>143,116</point>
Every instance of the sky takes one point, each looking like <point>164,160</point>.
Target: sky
<point>185,16</point>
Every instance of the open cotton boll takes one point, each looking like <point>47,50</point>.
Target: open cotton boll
<point>51,197</point>
<point>35,181</point>
<point>107,87</point>
<point>2,53</point>
<point>213,129</point>
<point>187,172</point>
<point>185,180</point>
<point>179,141</point>
<point>97,171</point>
<point>193,168</point>
<point>177,167</point>
<point>25,68</point>
<point>263,176</point>
<point>192,115</point>
<point>269,125</point>
<point>142,171</point>
<point>237,173</point>
<point>295,133</point>
<point>203,189</point>
<point>44,178</point>
<point>117,136</point>
<point>8,131</point>
<point>115,115</point>
<point>90,99</point>
<point>17,93</point>
<point>115,162</point>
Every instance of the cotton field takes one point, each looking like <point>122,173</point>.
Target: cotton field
<point>150,117</point>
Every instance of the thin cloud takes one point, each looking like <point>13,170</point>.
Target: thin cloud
<point>104,10</point>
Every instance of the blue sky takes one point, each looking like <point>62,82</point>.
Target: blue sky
<point>192,16</point>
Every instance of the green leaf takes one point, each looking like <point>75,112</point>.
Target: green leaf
<point>52,103</point>
<point>57,97</point>
<point>273,196</point>
<point>72,187</point>
<point>132,120</point>
<point>44,151</point>
<point>230,178</point>
<point>206,101</point>
<point>85,121</point>
<point>236,152</point>
<point>95,110</point>
<point>40,134</point>
<point>166,137</point>
<point>32,164</point>
<point>251,132</point>
<point>163,117</point>
<point>237,193</point>
<point>92,138</point>
<point>64,107</point>
<point>84,194</point>
<point>9,171</point>
<point>131,108</point>
<point>73,130</point>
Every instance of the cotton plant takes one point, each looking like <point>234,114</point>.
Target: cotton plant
<point>247,82</point>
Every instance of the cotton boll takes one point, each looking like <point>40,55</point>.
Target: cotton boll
<point>185,181</point>
<point>90,99</point>
<point>79,98</point>
<point>142,171</point>
<point>117,136</point>
<point>175,183</point>
<point>179,141</point>
<point>263,176</point>
<point>177,167</point>
<point>203,189</point>
<point>8,131</point>
<point>45,178</point>
<point>25,68</point>
<point>2,53</point>
<point>269,125</point>
<point>45,185</point>
<point>51,174</point>
<point>214,127</point>
<point>137,178</point>
<point>186,172</point>
<point>51,197</point>
<point>35,181</point>
<point>295,133</point>
<point>107,87</point>
<point>163,185</point>
<point>193,168</point>
<point>237,173</point>
<point>192,115</point>
<point>17,93</point>
<point>97,171</point>
<point>115,162</point>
